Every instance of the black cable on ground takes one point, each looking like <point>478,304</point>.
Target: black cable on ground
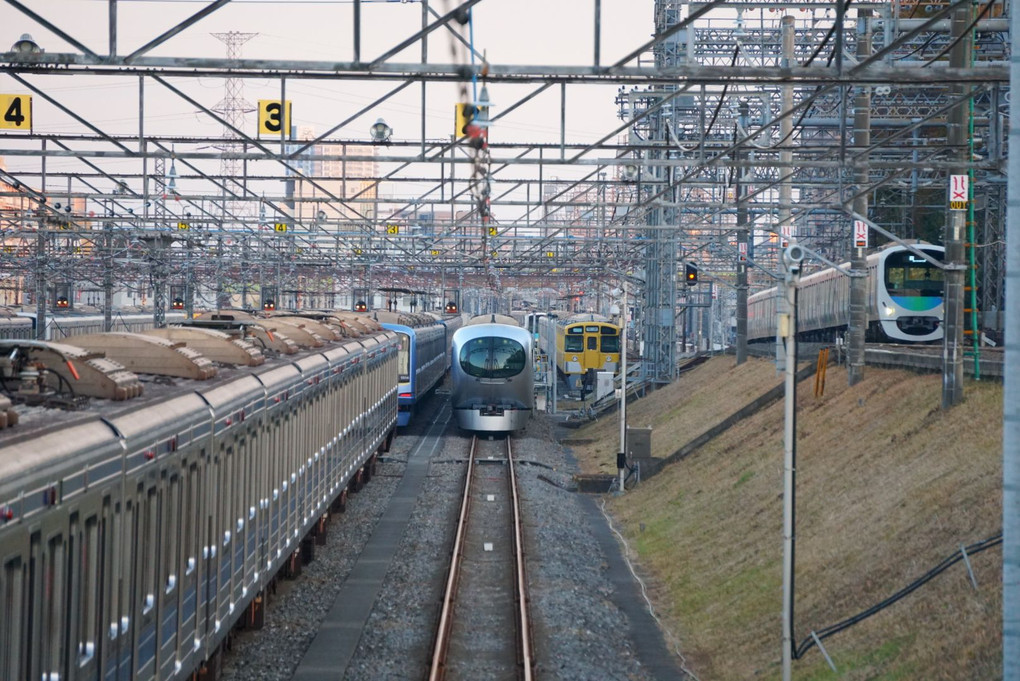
<point>977,547</point>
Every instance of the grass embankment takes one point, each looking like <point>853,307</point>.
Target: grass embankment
<point>888,485</point>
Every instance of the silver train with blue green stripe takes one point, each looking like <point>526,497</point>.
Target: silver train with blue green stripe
<point>904,300</point>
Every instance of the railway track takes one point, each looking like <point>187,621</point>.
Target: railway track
<point>925,358</point>
<point>484,629</point>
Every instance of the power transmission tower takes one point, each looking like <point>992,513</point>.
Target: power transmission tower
<point>232,107</point>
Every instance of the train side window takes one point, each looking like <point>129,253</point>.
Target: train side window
<point>54,563</point>
<point>226,495</point>
<point>127,546</point>
<point>89,590</point>
<point>149,532</point>
<point>109,558</point>
<point>251,471</point>
<point>172,536</point>
<point>12,610</point>
<point>191,508</point>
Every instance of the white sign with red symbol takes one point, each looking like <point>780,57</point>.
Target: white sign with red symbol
<point>860,234</point>
<point>741,251</point>
<point>786,231</point>
<point>959,192</point>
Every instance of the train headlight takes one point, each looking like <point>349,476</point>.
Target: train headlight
<point>889,312</point>
<point>574,358</point>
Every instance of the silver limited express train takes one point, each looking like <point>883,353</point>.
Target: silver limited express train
<point>492,373</point>
<point>904,303</point>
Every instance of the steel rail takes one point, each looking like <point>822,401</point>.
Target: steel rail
<point>521,595</point>
<point>437,670</point>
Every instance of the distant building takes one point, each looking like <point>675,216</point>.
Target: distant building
<point>12,246</point>
<point>349,175</point>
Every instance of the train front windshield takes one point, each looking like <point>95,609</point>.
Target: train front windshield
<point>907,274</point>
<point>610,339</point>
<point>493,357</point>
<point>573,341</point>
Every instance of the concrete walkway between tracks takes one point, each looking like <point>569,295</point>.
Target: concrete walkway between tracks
<point>333,648</point>
<point>649,644</point>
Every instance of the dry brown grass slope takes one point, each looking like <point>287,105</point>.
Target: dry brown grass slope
<point>888,485</point>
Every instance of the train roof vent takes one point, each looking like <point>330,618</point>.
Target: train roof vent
<point>150,355</point>
<point>216,345</point>
<point>81,373</point>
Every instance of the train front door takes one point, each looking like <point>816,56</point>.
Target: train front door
<point>592,356</point>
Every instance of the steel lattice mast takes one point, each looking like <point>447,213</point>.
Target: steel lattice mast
<point>232,107</point>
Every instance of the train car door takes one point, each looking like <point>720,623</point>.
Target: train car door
<point>609,348</point>
<point>592,353</point>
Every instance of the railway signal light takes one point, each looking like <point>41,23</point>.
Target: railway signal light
<point>690,273</point>
<point>472,120</point>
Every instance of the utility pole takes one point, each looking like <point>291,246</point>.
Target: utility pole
<point>743,238</point>
<point>621,458</point>
<point>858,258</point>
<point>786,137</point>
<point>40,259</point>
<point>1011,405</point>
<point>41,288</point>
<point>787,327</point>
<point>108,271</point>
<point>956,224</point>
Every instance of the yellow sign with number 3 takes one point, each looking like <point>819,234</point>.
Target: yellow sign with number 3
<point>273,118</point>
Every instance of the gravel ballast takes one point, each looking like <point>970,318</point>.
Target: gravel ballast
<point>579,630</point>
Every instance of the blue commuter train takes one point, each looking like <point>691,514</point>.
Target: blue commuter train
<point>423,357</point>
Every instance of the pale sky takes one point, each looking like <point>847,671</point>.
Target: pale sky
<point>540,32</point>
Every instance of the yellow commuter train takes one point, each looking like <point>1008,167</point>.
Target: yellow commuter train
<point>581,342</point>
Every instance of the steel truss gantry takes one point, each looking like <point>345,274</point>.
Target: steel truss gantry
<point>660,187</point>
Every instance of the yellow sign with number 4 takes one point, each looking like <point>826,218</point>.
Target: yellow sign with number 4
<point>16,112</point>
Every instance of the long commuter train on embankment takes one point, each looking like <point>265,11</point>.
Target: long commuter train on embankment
<point>15,323</point>
<point>134,535</point>
<point>904,300</point>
